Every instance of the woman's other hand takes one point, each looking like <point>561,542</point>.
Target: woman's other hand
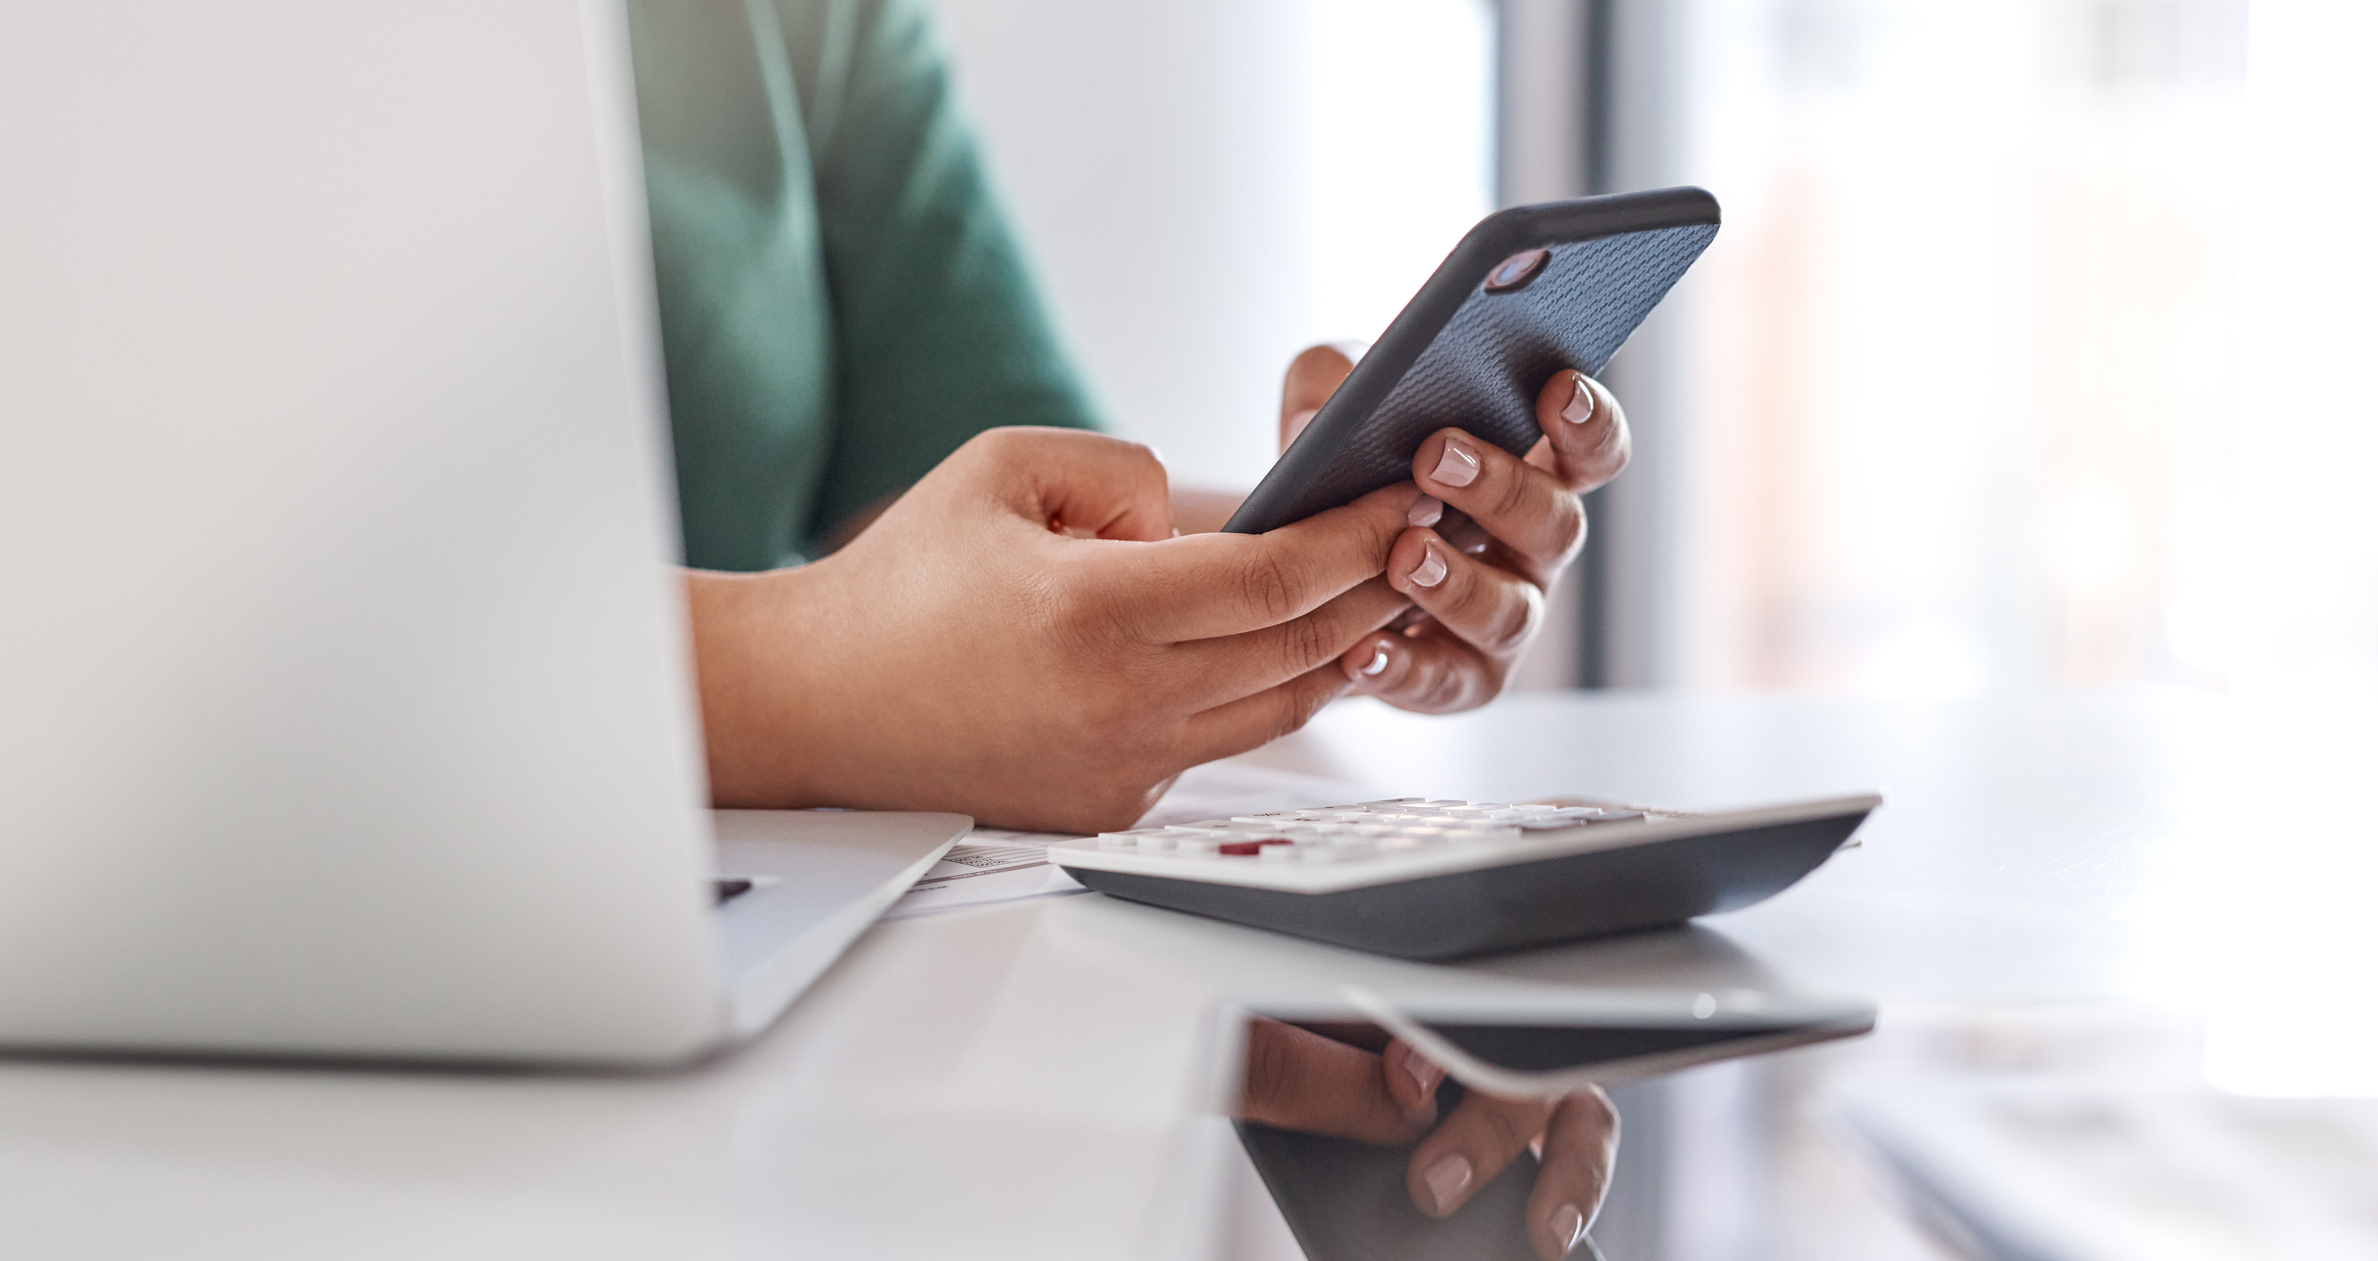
<point>1477,577</point>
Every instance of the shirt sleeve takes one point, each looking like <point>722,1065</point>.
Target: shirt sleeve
<point>939,331</point>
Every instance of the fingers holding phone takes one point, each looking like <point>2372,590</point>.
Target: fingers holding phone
<point>1480,576</point>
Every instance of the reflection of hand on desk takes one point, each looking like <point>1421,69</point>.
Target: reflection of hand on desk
<point>1354,1082</point>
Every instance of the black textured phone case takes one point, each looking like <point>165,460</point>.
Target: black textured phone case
<point>1461,355</point>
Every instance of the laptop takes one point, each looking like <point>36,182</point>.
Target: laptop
<point>345,705</point>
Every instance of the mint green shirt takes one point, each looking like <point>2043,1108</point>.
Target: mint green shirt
<point>842,304</point>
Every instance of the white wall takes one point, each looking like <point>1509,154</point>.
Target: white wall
<point>1205,188</point>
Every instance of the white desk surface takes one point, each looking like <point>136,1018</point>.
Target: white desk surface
<point>1040,1079</point>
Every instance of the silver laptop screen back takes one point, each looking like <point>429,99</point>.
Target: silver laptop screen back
<point>341,677</point>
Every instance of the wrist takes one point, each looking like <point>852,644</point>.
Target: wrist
<point>750,681</point>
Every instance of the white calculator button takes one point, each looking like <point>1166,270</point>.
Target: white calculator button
<point>1197,847</point>
<point>1490,805</point>
<point>1156,844</point>
<point>1390,801</point>
<point>1481,836</point>
<point>1186,832</point>
<point>1618,816</point>
<point>1534,807</point>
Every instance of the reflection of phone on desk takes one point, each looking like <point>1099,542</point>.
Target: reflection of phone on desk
<point>1347,1201</point>
<point>1528,292</point>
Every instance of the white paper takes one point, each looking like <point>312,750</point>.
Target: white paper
<point>997,865</point>
<point>989,865</point>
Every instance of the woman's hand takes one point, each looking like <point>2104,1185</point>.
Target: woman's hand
<point>1478,576</point>
<point>1299,1080</point>
<point>1022,638</point>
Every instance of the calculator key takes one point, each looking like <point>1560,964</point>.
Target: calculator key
<point>1155,844</point>
<point>1617,816</point>
<point>1197,847</point>
<point>1390,801</point>
<point>1481,836</point>
<point>1248,849</point>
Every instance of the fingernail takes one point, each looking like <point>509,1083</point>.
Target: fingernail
<point>1447,1179</point>
<point>1580,407</point>
<point>1424,1074</point>
<point>1426,510</point>
<point>1378,662</point>
<point>1567,1225</point>
<point>1431,569</point>
<point>1457,466</point>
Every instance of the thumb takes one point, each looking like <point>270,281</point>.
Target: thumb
<point>1077,482</point>
<point>1313,376</point>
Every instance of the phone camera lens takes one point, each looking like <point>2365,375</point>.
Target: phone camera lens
<point>1517,270</point>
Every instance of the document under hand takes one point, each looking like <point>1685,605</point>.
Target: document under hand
<point>997,865</point>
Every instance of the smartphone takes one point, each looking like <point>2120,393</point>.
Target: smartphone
<point>1529,291</point>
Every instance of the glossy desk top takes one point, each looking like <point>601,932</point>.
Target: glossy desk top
<point>1040,1079</point>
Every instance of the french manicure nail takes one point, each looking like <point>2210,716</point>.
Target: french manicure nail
<point>1567,1225</point>
<point>1447,1179</point>
<point>1424,1074</point>
<point>1426,510</point>
<point>1378,661</point>
<point>1457,466</point>
<point>1431,569</point>
<point>1580,407</point>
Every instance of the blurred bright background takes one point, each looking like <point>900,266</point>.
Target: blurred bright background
<point>2030,357</point>
<point>2025,358</point>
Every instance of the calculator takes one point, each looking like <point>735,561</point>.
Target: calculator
<point>1439,879</point>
